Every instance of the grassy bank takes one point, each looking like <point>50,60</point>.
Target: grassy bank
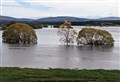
<point>13,74</point>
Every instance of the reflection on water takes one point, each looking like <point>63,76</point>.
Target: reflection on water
<point>49,52</point>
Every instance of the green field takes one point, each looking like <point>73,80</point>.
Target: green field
<point>14,74</point>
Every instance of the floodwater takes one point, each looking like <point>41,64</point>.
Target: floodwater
<point>50,53</point>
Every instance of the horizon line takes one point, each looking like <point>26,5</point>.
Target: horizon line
<point>61,16</point>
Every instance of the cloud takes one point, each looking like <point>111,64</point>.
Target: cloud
<point>53,0</point>
<point>79,8</point>
<point>22,12</point>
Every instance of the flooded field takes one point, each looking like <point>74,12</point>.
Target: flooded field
<point>49,52</point>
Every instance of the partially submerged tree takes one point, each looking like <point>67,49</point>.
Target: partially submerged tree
<point>67,33</point>
<point>19,33</point>
<point>95,37</point>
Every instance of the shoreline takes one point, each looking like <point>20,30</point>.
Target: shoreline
<point>47,68</point>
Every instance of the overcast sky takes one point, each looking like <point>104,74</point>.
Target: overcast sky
<point>47,8</point>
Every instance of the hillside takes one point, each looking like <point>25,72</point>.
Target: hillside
<point>62,18</point>
<point>109,18</point>
<point>36,23</point>
<point>56,19</point>
<point>7,18</point>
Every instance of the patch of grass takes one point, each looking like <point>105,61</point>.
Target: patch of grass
<point>14,74</point>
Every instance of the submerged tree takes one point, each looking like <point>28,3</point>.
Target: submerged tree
<point>19,33</point>
<point>67,33</point>
<point>95,37</point>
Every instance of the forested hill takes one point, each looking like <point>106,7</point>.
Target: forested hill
<point>57,19</point>
<point>38,23</point>
<point>62,18</point>
<point>7,19</point>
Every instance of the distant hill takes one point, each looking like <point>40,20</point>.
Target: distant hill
<point>25,19</point>
<point>61,19</point>
<point>7,18</point>
<point>109,18</point>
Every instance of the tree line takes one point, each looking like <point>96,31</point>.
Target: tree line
<point>39,25</point>
<point>35,25</point>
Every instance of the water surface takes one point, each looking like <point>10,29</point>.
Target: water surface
<point>49,52</point>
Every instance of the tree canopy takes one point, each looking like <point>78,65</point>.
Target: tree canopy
<point>19,33</point>
<point>66,24</point>
<point>95,37</point>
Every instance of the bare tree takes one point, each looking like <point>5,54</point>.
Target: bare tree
<point>67,33</point>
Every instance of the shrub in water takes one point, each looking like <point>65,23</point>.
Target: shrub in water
<point>95,37</point>
<point>19,33</point>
